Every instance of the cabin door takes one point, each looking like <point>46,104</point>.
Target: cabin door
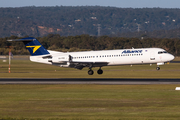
<point>152,55</point>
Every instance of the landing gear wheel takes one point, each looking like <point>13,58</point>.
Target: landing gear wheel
<point>158,68</point>
<point>90,72</point>
<point>100,71</point>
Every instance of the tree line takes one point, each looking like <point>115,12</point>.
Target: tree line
<point>71,21</point>
<point>86,42</point>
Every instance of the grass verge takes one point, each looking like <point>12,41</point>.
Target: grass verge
<point>89,102</point>
<point>27,69</point>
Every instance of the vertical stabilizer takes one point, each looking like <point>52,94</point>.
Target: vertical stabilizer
<point>33,45</point>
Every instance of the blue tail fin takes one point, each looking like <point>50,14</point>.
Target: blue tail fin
<point>33,45</point>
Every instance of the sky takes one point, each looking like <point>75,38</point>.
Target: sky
<point>112,3</point>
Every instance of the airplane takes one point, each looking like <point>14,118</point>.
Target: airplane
<point>91,59</point>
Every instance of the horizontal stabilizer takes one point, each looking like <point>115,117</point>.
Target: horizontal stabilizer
<point>23,39</point>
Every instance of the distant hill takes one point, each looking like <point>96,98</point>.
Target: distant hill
<point>173,33</point>
<point>71,21</point>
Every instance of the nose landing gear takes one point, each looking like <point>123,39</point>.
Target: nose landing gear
<point>158,68</point>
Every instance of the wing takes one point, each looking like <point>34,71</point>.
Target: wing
<point>80,65</point>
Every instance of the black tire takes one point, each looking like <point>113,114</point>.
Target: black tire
<point>158,68</point>
<point>100,71</point>
<point>90,72</point>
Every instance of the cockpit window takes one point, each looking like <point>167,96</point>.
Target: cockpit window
<point>161,52</point>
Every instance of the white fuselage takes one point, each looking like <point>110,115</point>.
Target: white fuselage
<point>112,57</point>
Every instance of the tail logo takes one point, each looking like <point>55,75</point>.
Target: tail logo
<point>35,48</point>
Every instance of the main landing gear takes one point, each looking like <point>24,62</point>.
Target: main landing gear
<point>100,71</point>
<point>91,72</point>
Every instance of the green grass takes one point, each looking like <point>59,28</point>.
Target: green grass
<point>89,102</point>
<point>76,102</point>
<point>27,69</point>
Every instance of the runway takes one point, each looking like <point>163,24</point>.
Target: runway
<point>98,81</point>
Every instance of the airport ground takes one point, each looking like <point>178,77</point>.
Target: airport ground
<point>21,67</point>
<point>89,101</point>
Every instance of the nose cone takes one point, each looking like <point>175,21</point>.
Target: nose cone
<point>171,57</point>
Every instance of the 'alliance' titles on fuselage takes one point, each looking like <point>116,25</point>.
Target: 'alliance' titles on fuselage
<point>132,51</point>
